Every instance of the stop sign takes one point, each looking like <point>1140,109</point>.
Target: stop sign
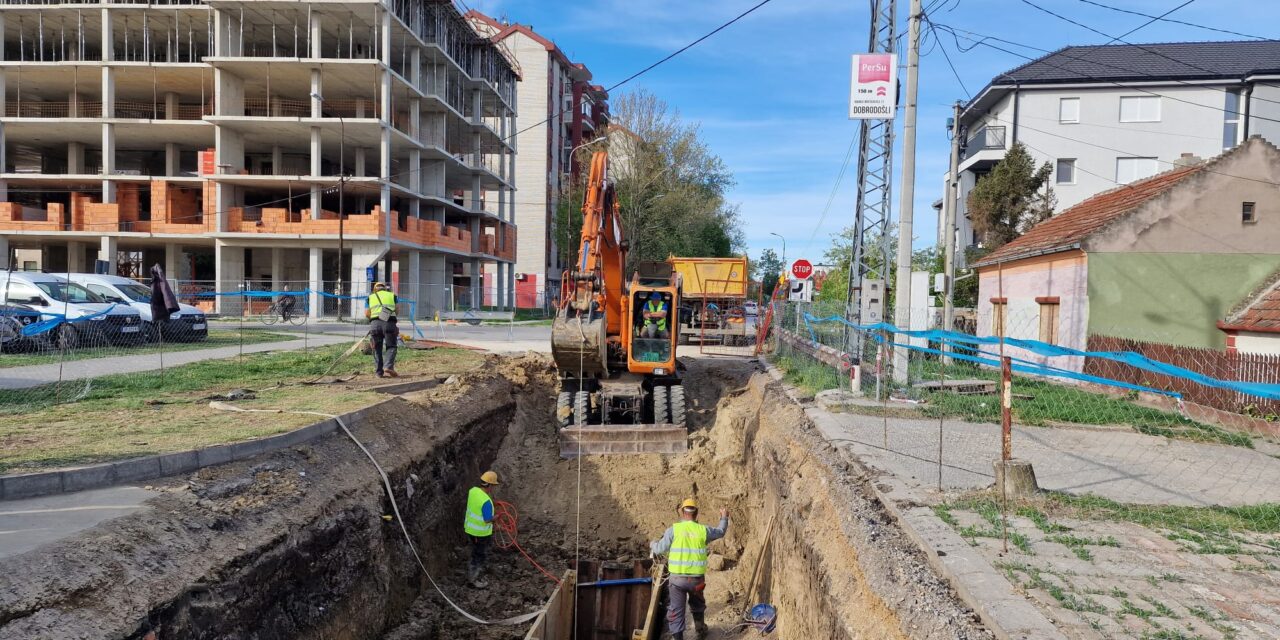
<point>802,269</point>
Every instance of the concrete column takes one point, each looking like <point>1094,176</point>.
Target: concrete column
<point>360,161</point>
<point>108,46</point>
<point>436,281</point>
<point>173,261</point>
<point>172,159</point>
<point>410,272</point>
<point>316,149</point>
<point>415,65</point>
<point>315,279</point>
<point>277,160</point>
<point>75,157</point>
<point>3,42</point>
<point>75,257</point>
<point>316,33</point>
<point>511,286</point>
<point>6,256</point>
<point>108,161</point>
<point>317,89</point>
<point>170,105</point>
<point>229,273</point>
<point>277,269</point>
<point>500,285</point>
<point>108,250</point>
<point>477,283</point>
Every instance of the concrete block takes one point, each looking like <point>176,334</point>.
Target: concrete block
<point>181,462</point>
<point>137,469</point>
<point>305,434</point>
<point>219,454</point>
<point>244,450</point>
<point>30,485</point>
<point>92,477</point>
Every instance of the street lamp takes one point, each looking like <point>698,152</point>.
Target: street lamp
<point>342,191</point>
<point>784,248</point>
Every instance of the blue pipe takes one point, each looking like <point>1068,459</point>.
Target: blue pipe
<point>618,582</point>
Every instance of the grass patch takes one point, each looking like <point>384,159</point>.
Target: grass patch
<point>1215,520</point>
<point>1079,545</point>
<point>989,511</point>
<point>1066,598</point>
<point>944,514</point>
<point>1052,402</point>
<point>808,374</point>
<point>217,338</point>
<point>130,415</point>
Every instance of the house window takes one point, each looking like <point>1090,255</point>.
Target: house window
<point>1231,120</point>
<point>999,311</point>
<point>1247,214</point>
<point>1140,109</point>
<point>1066,173</point>
<point>1068,110</point>
<point>1049,321</point>
<point>1130,169</point>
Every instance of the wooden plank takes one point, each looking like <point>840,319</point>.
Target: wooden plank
<point>653,614</point>
<point>612,603</point>
<point>585,623</point>
<point>551,623</point>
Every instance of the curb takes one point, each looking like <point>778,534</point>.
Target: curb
<point>1007,615</point>
<point>97,476</point>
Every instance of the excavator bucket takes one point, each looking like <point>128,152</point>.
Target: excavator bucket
<point>578,344</point>
<point>622,439</point>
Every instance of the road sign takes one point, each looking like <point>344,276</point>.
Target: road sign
<point>800,291</point>
<point>873,90</point>
<point>802,269</point>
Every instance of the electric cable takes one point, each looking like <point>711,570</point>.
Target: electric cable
<point>506,523</point>
<point>1173,21</point>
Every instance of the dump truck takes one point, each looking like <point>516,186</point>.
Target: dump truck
<point>716,306</point>
<point>614,338</point>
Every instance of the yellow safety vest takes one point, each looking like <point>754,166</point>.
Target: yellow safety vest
<point>688,555</point>
<point>474,523</point>
<point>662,323</point>
<point>380,299</point>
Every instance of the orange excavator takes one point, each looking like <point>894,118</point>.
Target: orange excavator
<point>614,340</point>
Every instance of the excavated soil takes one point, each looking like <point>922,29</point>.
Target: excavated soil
<point>295,545</point>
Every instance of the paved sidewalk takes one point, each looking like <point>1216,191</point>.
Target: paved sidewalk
<point>36,375</point>
<point>1117,464</point>
<point>28,524</point>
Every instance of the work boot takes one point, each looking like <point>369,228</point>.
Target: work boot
<point>699,626</point>
<point>473,578</point>
<point>392,373</point>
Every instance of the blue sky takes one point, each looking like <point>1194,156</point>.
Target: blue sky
<point>770,92</point>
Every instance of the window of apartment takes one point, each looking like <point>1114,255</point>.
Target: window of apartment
<point>1068,110</point>
<point>1049,319</point>
<point>1248,215</point>
<point>999,310</point>
<point>1130,169</point>
<point>1140,109</point>
<point>1066,172</point>
<point>1231,120</point>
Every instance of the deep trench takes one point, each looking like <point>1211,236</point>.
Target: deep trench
<point>323,562</point>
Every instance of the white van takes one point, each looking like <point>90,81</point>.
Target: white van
<point>189,323</point>
<point>54,296</point>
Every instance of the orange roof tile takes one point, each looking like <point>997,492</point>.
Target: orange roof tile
<point>1067,229</point>
<point>1260,312</point>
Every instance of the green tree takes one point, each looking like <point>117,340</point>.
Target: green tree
<point>1009,200</point>
<point>767,269</point>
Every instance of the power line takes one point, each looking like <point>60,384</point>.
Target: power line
<point>955,31</point>
<point>1148,23</point>
<point>1172,21</point>
<point>853,145</point>
<point>968,94</point>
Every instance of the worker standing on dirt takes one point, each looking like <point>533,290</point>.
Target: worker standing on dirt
<point>685,545</point>
<point>381,311</point>
<point>655,317</point>
<point>478,524</point>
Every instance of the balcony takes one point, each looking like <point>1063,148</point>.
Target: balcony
<point>983,149</point>
<point>283,221</point>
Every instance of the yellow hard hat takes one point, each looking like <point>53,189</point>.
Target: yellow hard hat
<point>489,477</point>
<point>689,503</point>
<point>379,285</point>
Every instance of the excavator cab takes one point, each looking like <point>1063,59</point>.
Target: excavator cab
<point>614,341</point>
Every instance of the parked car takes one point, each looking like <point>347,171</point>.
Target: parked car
<point>56,297</point>
<point>751,308</point>
<point>188,324</point>
<point>13,317</point>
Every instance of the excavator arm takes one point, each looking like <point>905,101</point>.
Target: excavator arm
<point>595,284</point>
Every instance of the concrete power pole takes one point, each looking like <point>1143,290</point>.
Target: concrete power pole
<point>949,206</point>
<point>902,303</point>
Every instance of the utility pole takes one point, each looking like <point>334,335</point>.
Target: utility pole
<point>949,206</point>
<point>902,297</point>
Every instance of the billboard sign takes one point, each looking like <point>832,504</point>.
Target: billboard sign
<point>873,90</point>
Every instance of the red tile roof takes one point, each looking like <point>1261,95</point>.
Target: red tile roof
<point>1260,312</point>
<point>1067,229</point>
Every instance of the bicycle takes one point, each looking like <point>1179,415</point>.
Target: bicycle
<point>284,309</point>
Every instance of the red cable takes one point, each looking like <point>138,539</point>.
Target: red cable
<point>504,520</point>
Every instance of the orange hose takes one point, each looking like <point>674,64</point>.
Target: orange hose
<point>505,520</point>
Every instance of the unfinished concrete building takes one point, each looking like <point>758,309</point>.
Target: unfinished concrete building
<point>223,139</point>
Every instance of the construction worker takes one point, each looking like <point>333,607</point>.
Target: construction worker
<point>478,524</point>
<point>380,309</point>
<point>655,317</point>
<point>685,545</point>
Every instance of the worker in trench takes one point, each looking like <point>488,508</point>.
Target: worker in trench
<point>478,525</point>
<point>685,545</point>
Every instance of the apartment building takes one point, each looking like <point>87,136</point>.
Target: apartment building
<point>244,144</point>
<point>559,110</point>
<point>1113,114</point>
